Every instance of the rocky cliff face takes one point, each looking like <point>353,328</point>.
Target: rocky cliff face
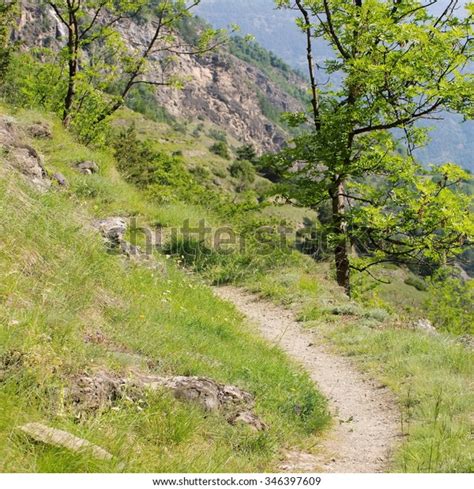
<point>220,87</point>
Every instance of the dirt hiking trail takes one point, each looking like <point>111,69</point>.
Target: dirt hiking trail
<point>365,417</point>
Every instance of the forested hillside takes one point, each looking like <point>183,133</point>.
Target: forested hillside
<point>211,264</point>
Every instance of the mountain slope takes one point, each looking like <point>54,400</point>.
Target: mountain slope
<point>235,94</point>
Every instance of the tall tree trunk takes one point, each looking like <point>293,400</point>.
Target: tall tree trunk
<point>341,251</point>
<point>71,92</point>
<point>73,66</point>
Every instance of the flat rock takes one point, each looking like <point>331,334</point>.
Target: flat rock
<point>58,438</point>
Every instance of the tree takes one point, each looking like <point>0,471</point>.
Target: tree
<point>246,152</point>
<point>395,63</point>
<point>92,25</point>
<point>87,22</point>
<point>7,14</point>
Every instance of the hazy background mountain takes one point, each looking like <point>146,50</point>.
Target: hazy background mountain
<point>275,30</point>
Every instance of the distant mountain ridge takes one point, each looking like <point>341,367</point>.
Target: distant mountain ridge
<point>275,29</point>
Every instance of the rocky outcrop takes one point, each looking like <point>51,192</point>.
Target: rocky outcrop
<point>89,394</point>
<point>112,229</point>
<point>223,90</point>
<point>19,155</point>
<point>425,326</point>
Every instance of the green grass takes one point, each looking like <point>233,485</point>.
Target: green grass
<point>60,287</point>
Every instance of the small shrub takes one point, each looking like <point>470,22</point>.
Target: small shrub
<point>201,173</point>
<point>379,315</point>
<point>371,316</point>
<point>246,152</point>
<point>218,136</point>
<point>417,282</point>
<point>192,252</point>
<point>220,149</point>
<point>243,170</point>
<point>219,172</point>
<point>346,310</point>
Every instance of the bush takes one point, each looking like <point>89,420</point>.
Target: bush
<point>201,173</point>
<point>450,304</point>
<point>217,135</point>
<point>142,99</point>
<point>417,282</point>
<point>33,83</point>
<point>219,172</point>
<point>243,170</point>
<point>246,152</point>
<point>220,149</point>
<point>164,175</point>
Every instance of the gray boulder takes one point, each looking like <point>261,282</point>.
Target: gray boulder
<point>87,167</point>
<point>60,179</point>
<point>425,325</point>
<point>113,230</point>
<point>40,130</point>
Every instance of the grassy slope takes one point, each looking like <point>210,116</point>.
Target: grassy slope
<point>59,287</point>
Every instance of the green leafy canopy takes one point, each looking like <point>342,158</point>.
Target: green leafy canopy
<point>395,63</point>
